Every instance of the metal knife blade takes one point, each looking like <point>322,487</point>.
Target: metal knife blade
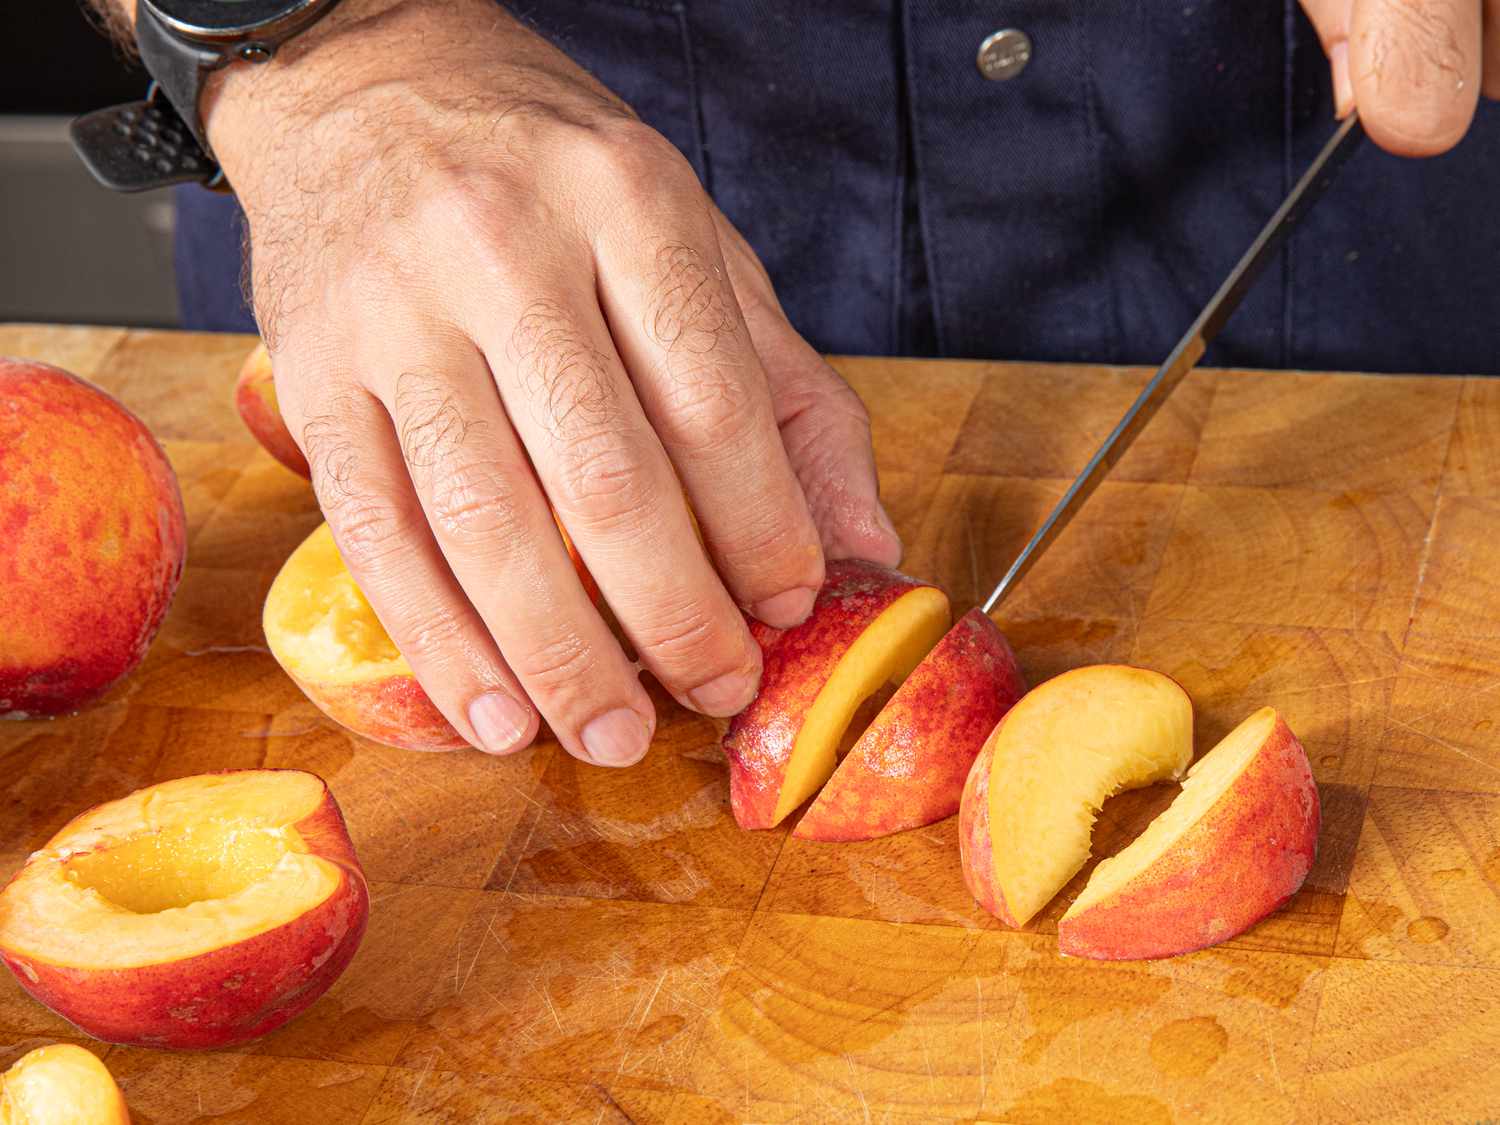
<point>1190,348</point>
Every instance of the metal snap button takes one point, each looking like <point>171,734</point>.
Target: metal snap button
<point>1004,54</point>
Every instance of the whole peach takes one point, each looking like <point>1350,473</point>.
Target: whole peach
<point>92,540</point>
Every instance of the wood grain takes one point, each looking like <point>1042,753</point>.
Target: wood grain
<point>551,942</point>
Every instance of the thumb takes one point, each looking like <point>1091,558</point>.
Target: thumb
<point>1416,71</point>
<point>1331,18</point>
<point>825,429</point>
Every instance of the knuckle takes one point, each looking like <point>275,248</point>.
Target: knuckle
<point>600,482</point>
<point>628,152</point>
<point>368,530</point>
<point>714,408</point>
<point>686,636</point>
<point>555,663</point>
<point>476,501</point>
<point>430,637</point>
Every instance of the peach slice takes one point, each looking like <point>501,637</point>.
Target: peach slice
<point>197,913</point>
<point>869,625</point>
<point>909,765</point>
<point>60,1085</point>
<point>1234,846</point>
<point>1030,801</point>
<point>255,399</point>
<point>92,540</point>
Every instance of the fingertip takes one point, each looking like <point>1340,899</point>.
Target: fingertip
<point>502,724</point>
<point>1343,85</point>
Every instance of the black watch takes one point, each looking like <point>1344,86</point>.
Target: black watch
<point>161,141</point>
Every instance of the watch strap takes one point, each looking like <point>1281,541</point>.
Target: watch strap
<point>142,145</point>
<point>179,67</point>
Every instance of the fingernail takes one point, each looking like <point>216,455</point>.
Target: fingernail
<point>500,722</point>
<point>616,738</point>
<point>788,608</point>
<point>1343,88</point>
<point>729,694</point>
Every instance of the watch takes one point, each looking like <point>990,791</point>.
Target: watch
<point>161,140</point>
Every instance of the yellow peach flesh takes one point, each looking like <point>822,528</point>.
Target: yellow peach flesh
<point>171,873</point>
<point>60,1085</point>
<point>318,623</point>
<point>1208,780</point>
<point>887,651</point>
<point>1059,754</point>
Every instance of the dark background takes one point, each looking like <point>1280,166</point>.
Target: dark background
<point>56,61</point>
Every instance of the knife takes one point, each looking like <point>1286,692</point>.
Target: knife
<point>1190,348</point>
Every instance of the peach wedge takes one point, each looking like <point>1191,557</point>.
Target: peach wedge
<point>909,765</point>
<point>60,1085</point>
<point>1029,804</point>
<point>1235,844</point>
<point>869,625</point>
<point>198,913</point>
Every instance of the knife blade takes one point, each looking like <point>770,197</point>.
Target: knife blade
<point>1190,348</point>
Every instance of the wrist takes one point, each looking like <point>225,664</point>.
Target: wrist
<point>251,110</point>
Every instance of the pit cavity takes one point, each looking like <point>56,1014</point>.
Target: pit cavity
<point>178,866</point>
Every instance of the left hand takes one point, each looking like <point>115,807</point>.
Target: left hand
<point>1413,68</point>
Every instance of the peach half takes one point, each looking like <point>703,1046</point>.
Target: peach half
<point>325,635</point>
<point>60,1085</point>
<point>1030,801</point>
<point>92,540</point>
<point>908,767</point>
<point>1234,845</point>
<point>255,399</point>
<point>198,913</point>
<point>869,625</point>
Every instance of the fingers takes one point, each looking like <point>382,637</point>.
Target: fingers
<point>366,497</point>
<point>614,490</point>
<point>824,427</point>
<point>1415,70</point>
<point>1490,87</point>
<point>675,319</point>
<point>496,533</point>
<point>1330,18</point>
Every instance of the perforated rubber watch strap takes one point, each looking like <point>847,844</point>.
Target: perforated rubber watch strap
<point>142,145</point>
<point>161,140</point>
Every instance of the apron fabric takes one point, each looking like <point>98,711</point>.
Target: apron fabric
<point>1081,211</point>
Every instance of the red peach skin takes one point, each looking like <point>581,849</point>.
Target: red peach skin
<point>909,766</point>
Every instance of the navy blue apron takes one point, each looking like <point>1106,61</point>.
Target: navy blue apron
<point>1083,210</point>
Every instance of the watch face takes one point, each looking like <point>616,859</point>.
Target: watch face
<point>225,19</point>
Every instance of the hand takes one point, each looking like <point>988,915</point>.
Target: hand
<point>1413,68</point>
<point>486,285</point>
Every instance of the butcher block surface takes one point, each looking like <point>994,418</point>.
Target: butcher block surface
<point>555,942</point>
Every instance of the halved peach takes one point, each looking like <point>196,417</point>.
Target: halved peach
<point>197,913</point>
<point>869,625</point>
<point>1235,844</point>
<point>255,399</point>
<point>1030,801</point>
<point>60,1085</point>
<point>323,632</point>
<point>326,637</point>
<point>908,767</point>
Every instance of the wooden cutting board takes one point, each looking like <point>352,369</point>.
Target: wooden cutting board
<point>554,942</point>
